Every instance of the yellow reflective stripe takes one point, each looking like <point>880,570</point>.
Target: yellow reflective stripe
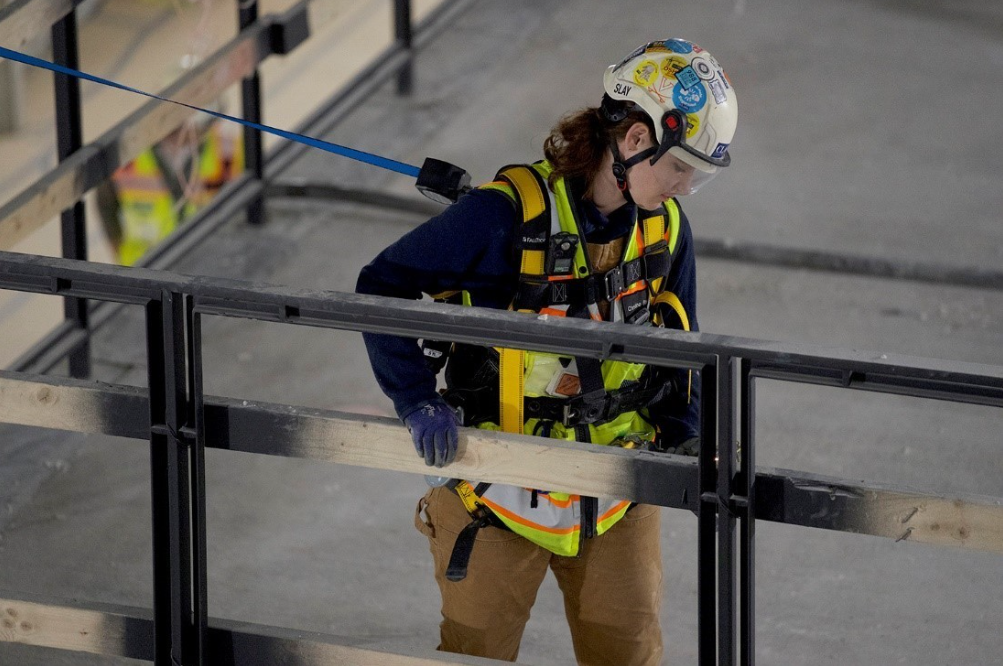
<point>533,201</point>
<point>566,217</point>
<point>512,377</point>
<point>500,186</point>
<point>533,262</point>
<point>467,496</point>
<point>672,232</point>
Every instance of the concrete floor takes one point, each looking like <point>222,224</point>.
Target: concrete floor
<point>867,126</point>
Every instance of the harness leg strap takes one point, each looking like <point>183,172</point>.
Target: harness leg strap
<point>464,546</point>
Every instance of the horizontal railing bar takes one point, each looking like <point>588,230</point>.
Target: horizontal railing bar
<point>66,337</point>
<point>22,21</point>
<point>790,497</point>
<point>917,388</point>
<point>358,312</point>
<point>65,184</point>
<point>127,631</point>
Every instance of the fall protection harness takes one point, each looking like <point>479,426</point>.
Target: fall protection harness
<point>590,401</point>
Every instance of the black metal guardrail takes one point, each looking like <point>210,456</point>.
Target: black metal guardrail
<point>82,167</point>
<point>727,494</point>
<point>726,491</point>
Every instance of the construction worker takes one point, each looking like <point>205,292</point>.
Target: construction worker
<point>595,232</point>
<point>148,198</point>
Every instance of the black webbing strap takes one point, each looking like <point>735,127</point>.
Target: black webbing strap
<point>459,559</point>
<point>464,546</point>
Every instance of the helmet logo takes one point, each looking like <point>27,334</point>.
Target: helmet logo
<point>687,77</point>
<point>671,65</point>
<point>703,69</point>
<point>720,151</point>
<point>621,89</point>
<point>692,125</point>
<point>645,73</point>
<point>718,90</point>
<point>679,46</point>
<point>689,100</point>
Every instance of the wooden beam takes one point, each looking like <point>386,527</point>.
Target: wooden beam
<point>23,20</point>
<point>64,185</point>
<point>94,628</point>
<point>784,496</point>
<point>126,631</point>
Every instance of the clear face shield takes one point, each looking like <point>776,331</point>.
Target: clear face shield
<point>703,168</point>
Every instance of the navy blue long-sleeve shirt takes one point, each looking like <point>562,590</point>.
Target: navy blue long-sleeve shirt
<point>471,246</point>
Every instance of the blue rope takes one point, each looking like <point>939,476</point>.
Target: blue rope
<point>344,151</point>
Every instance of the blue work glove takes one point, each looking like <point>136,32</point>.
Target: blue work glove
<point>433,430</point>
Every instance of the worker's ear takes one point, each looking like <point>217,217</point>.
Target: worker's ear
<point>638,138</point>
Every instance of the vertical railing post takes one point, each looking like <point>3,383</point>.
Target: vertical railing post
<point>707,521</point>
<point>727,581</point>
<point>176,640</point>
<point>69,139</point>
<point>196,416</point>
<point>746,485</point>
<point>250,91</point>
<point>403,34</point>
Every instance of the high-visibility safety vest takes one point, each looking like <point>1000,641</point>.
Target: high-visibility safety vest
<point>583,399</point>
<point>150,208</point>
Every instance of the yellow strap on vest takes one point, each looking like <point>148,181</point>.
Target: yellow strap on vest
<point>534,204</point>
<point>533,200</point>
<point>512,378</point>
<point>467,496</point>
<point>673,301</point>
<point>534,262</point>
<point>654,229</point>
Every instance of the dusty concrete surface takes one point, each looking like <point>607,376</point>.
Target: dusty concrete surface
<point>867,126</point>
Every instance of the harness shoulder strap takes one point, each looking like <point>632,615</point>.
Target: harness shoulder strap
<point>534,203</point>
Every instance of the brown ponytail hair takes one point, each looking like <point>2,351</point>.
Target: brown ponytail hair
<point>578,142</point>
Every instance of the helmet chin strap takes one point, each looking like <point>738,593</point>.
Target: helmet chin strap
<point>620,167</point>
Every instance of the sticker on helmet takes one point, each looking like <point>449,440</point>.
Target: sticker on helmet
<point>697,49</point>
<point>633,54</point>
<point>689,100</point>
<point>679,45</point>
<point>671,65</point>
<point>621,89</point>
<point>645,73</point>
<point>692,125</point>
<point>720,151</point>
<point>688,77</point>
<point>720,96</point>
<point>656,47</point>
<point>703,69</point>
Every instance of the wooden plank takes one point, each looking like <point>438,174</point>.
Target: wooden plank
<point>64,185</point>
<point>784,496</point>
<point>94,629</point>
<point>74,405</point>
<point>126,631</point>
<point>23,20</point>
<point>798,498</point>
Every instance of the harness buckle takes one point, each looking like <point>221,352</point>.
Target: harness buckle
<point>585,409</point>
<point>613,280</point>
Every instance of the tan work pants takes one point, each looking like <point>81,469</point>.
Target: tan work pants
<point>612,591</point>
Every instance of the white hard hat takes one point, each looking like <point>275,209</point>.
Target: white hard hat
<point>687,95</point>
